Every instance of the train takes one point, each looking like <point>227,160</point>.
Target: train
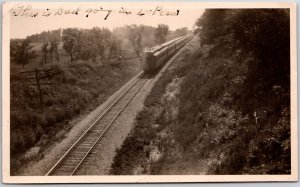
<point>155,57</point>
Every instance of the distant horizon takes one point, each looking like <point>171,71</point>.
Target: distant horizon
<point>172,30</point>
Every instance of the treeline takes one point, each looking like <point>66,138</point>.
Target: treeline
<point>46,36</point>
<point>261,34</point>
<point>258,39</point>
<point>87,44</point>
<point>91,44</point>
<point>181,31</point>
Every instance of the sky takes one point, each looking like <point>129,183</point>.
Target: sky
<point>89,15</point>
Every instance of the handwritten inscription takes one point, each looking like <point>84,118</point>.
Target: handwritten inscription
<point>29,11</point>
<point>25,11</point>
<point>96,11</point>
<point>62,11</point>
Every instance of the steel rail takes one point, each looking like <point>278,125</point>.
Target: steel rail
<point>111,122</point>
<point>138,77</point>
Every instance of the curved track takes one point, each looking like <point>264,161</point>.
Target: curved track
<point>74,157</point>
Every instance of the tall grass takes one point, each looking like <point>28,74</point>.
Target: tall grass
<point>80,87</point>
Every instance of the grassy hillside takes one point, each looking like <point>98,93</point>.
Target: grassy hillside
<point>78,88</point>
<point>221,108</point>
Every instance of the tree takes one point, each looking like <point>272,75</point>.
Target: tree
<point>115,46</point>
<point>134,34</point>
<point>213,24</point>
<point>181,32</point>
<point>53,49</point>
<point>45,53</point>
<point>21,52</point>
<point>107,41</point>
<point>85,47</point>
<point>260,36</point>
<point>102,43</point>
<point>98,45</point>
<point>46,35</point>
<point>14,44</point>
<point>161,33</point>
<point>262,33</point>
<point>70,42</point>
<point>90,46</point>
<point>138,44</point>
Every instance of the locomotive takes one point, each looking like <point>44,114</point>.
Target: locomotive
<point>156,56</point>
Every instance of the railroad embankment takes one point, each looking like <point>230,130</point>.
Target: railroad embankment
<point>76,91</point>
<point>204,116</point>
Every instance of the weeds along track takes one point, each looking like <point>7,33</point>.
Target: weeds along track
<point>77,153</point>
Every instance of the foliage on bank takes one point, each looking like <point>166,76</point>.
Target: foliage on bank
<point>233,108</point>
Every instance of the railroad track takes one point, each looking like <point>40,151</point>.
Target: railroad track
<point>70,162</point>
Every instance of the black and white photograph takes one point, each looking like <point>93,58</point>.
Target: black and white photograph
<point>110,92</point>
